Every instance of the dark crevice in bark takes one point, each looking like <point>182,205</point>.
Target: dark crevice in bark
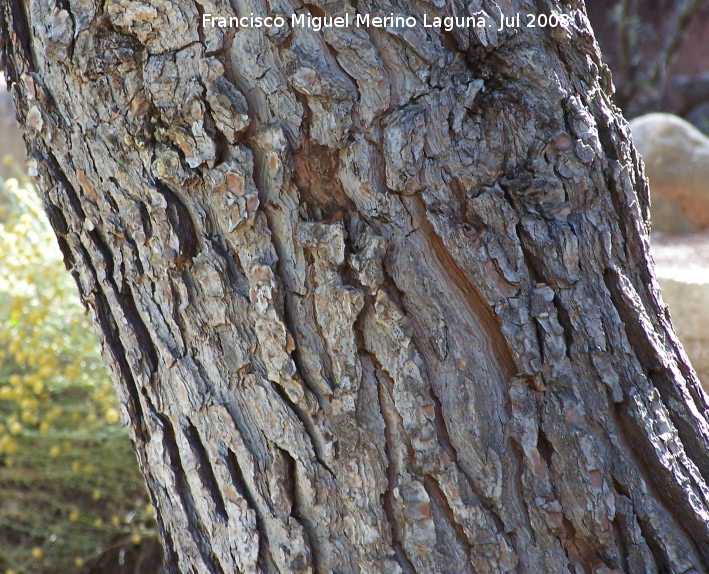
<point>7,57</point>
<point>534,266</point>
<point>297,356</point>
<point>253,439</point>
<point>392,473</point>
<point>565,321</point>
<point>56,219</point>
<point>444,440</point>
<point>291,483</point>
<point>176,315</point>
<point>170,560</point>
<point>539,335</point>
<point>290,479</point>
<point>516,449</point>
<point>333,52</point>
<point>307,112</point>
<point>100,247</point>
<point>606,139</point>
<point>568,543</point>
<point>142,333</point>
<point>620,488</point>
<point>222,145</point>
<point>68,257</point>
<point>233,272</point>
<point>206,474</point>
<point>620,527</point>
<point>145,220</point>
<point>389,286</point>
<point>21,27</point>
<point>660,557</point>
<point>70,193</point>
<point>308,425</point>
<point>438,498</point>
<point>61,229</point>
<point>265,561</point>
<point>112,340</point>
<point>290,321</point>
<point>200,29</point>
<point>544,447</point>
<point>108,197</point>
<point>239,482</point>
<point>182,223</point>
<point>196,528</point>
<point>439,423</point>
<point>110,330</point>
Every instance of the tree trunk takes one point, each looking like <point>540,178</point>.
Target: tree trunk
<point>374,300</point>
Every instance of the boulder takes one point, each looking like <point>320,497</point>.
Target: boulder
<point>676,156</point>
<point>682,268</point>
<point>11,142</point>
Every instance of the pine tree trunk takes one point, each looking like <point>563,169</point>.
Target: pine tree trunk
<point>374,300</point>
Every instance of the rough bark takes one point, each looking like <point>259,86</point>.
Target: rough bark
<point>374,300</point>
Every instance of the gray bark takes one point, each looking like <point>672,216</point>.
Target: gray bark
<point>373,300</point>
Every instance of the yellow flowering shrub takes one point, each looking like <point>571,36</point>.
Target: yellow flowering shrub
<point>71,496</point>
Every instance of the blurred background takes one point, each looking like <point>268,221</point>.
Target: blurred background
<point>71,497</point>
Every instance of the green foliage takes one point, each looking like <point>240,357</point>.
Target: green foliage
<point>71,495</point>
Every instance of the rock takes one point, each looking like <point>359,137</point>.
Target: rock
<point>682,268</point>
<point>676,157</point>
<point>11,142</point>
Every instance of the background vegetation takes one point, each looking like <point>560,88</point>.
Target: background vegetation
<point>71,495</point>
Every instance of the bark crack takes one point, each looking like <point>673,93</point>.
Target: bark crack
<point>658,554</point>
<point>311,430</point>
<point>564,320</point>
<point>445,441</point>
<point>111,339</point>
<point>438,497</point>
<point>206,474</point>
<point>392,472</point>
<point>265,560</point>
<point>291,480</point>
<point>196,527</point>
